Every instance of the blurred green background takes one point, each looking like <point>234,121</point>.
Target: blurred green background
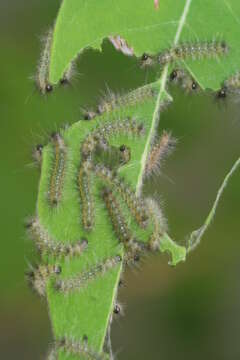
<point>188,312</point>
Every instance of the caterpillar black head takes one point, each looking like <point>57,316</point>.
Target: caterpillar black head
<point>222,93</point>
<point>173,76</point>
<point>194,85</point>
<point>117,309</point>
<point>64,81</point>
<point>89,115</point>
<point>125,154</point>
<point>146,60</point>
<point>48,88</point>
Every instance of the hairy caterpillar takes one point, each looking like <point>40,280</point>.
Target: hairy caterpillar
<point>159,151</point>
<point>42,76</point>
<point>84,183</point>
<point>77,348</point>
<point>38,277</point>
<point>135,204</point>
<point>111,101</point>
<point>57,176</point>
<point>47,245</point>
<point>185,80</point>
<point>132,246</point>
<point>230,86</point>
<point>184,51</point>
<point>80,281</point>
<point>118,222</point>
<point>160,225</point>
<point>101,133</point>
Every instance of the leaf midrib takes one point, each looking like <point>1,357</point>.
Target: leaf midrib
<point>156,113</point>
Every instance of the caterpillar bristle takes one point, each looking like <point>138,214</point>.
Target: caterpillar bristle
<point>58,172</point>
<point>81,280</point>
<point>160,150</point>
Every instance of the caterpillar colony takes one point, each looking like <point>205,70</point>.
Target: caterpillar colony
<point>136,222</point>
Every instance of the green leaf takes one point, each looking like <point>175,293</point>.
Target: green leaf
<point>88,311</point>
<point>82,24</point>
